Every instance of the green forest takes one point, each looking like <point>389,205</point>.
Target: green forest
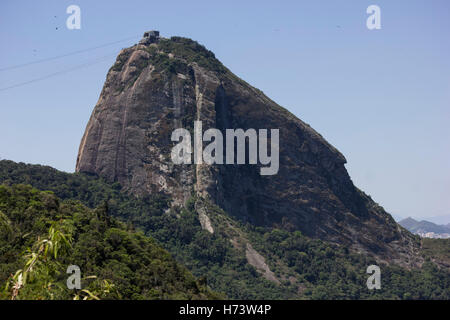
<point>139,248</point>
<point>42,235</point>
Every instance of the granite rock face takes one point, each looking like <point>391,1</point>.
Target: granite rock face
<point>153,89</point>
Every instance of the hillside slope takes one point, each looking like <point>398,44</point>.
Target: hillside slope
<point>241,260</point>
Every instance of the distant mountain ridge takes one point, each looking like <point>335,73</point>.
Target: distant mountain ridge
<point>423,227</point>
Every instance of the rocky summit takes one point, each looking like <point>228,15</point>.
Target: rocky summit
<point>160,84</point>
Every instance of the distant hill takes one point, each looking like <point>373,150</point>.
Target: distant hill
<point>422,227</point>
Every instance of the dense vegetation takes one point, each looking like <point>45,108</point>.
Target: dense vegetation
<point>185,51</point>
<point>335,273</point>
<point>191,51</point>
<point>437,250</point>
<point>208,256</point>
<point>40,236</point>
<point>306,268</point>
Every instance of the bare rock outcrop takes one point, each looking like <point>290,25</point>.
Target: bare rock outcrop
<point>155,88</point>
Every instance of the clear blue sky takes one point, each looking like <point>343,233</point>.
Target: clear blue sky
<point>382,97</point>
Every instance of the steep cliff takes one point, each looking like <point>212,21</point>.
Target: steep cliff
<point>155,88</point>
